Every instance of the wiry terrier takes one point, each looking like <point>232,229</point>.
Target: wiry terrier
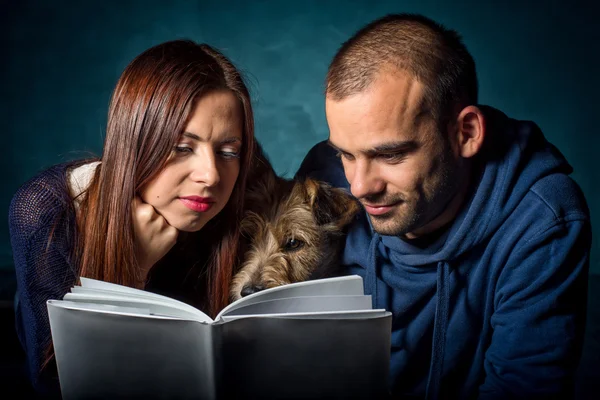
<point>291,230</point>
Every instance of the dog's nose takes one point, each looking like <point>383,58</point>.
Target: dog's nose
<point>249,289</point>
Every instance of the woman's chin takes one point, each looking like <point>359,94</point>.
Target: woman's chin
<point>189,226</point>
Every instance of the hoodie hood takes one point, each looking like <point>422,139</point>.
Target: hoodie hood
<point>514,157</point>
<point>416,283</point>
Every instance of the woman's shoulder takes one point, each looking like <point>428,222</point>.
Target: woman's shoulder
<point>41,199</point>
<point>80,176</point>
<point>49,183</point>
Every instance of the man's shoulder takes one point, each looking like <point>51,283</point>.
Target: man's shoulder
<point>553,202</point>
<point>322,163</point>
<point>561,197</point>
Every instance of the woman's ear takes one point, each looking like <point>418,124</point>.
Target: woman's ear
<point>469,132</point>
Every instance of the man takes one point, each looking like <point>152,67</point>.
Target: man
<point>473,234</point>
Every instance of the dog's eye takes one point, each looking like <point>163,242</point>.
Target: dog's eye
<point>293,244</point>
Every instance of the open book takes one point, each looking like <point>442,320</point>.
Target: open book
<point>313,339</point>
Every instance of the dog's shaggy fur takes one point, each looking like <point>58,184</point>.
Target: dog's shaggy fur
<point>291,230</point>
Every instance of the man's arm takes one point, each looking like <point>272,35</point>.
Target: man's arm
<point>539,318</point>
<point>321,163</point>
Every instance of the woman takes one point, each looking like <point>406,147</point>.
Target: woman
<point>158,211</point>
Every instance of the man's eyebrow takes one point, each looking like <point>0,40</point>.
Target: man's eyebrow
<point>227,140</point>
<point>334,146</point>
<point>403,146</point>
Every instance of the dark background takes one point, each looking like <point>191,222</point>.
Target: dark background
<point>536,60</point>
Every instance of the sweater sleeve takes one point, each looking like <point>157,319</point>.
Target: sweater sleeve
<point>40,232</point>
<point>539,315</point>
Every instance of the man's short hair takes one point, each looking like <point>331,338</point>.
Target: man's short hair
<point>434,55</point>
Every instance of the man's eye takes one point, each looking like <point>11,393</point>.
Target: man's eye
<point>392,157</point>
<point>293,244</point>
<point>345,156</point>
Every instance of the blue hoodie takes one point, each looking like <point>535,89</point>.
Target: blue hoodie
<point>492,306</point>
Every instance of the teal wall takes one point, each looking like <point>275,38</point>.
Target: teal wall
<point>60,61</point>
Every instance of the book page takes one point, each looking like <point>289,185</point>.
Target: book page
<point>149,296</point>
<point>157,306</point>
<point>100,289</point>
<point>306,304</point>
<point>99,307</point>
<point>322,315</point>
<point>338,286</point>
<point>88,283</point>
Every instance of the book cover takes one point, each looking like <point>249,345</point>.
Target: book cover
<point>313,339</point>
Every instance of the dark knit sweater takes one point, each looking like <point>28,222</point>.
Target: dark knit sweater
<point>43,233</point>
<point>42,228</point>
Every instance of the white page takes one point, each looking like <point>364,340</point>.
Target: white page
<point>316,315</point>
<point>150,296</point>
<point>351,285</point>
<point>101,288</point>
<point>306,304</point>
<point>105,308</point>
<point>113,287</point>
<point>155,306</point>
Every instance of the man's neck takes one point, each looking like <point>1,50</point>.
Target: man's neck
<point>449,211</point>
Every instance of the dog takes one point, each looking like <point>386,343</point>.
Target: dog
<point>292,230</point>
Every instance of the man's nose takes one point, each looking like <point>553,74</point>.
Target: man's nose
<point>364,180</point>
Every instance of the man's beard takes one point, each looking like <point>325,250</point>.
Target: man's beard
<point>402,219</point>
<point>410,214</point>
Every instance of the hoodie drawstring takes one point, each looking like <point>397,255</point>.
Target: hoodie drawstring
<point>371,273</point>
<point>436,368</point>
<point>440,325</point>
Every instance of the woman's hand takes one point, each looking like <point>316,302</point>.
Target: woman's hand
<point>154,237</point>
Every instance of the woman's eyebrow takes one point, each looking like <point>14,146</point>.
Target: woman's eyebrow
<point>192,136</point>
<point>227,140</point>
<point>232,139</point>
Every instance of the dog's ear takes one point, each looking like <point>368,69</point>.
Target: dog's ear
<point>330,205</point>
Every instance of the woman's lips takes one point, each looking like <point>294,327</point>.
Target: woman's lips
<point>197,203</point>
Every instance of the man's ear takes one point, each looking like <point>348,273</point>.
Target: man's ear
<point>331,206</point>
<point>469,132</point>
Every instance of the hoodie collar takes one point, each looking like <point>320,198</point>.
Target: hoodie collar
<point>514,157</point>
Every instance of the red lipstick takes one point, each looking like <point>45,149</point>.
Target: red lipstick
<point>197,203</point>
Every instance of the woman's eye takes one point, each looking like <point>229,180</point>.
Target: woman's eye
<point>293,244</point>
<point>229,153</point>
<point>183,149</point>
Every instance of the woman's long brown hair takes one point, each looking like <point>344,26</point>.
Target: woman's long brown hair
<point>148,112</point>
